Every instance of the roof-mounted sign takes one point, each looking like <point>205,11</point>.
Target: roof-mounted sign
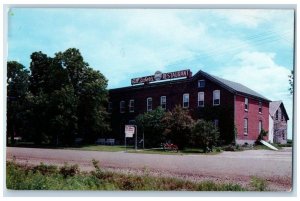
<point>161,76</point>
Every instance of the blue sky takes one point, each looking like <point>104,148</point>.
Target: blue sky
<point>253,47</point>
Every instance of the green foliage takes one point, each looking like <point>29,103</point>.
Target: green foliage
<point>17,87</point>
<point>263,133</point>
<point>258,184</point>
<point>26,178</point>
<point>152,126</point>
<point>204,134</point>
<point>64,98</point>
<point>69,170</point>
<point>291,82</point>
<point>178,126</point>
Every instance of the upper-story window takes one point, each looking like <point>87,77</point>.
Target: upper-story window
<point>122,106</point>
<point>200,99</point>
<point>260,107</point>
<point>163,102</point>
<point>245,126</point>
<point>186,100</point>
<point>216,97</point>
<point>282,116</point>
<point>109,109</point>
<point>131,105</point>
<point>276,115</point>
<point>246,104</point>
<point>201,83</point>
<point>149,104</point>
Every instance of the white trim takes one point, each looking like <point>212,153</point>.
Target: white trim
<point>161,103</point>
<point>188,95</point>
<point>199,83</point>
<point>215,91</point>
<point>131,106</point>
<point>199,95</point>
<point>246,102</point>
<point>149,98</point>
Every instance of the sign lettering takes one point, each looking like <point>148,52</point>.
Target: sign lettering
<point>161,76</point>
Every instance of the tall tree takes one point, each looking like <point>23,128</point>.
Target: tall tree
<point>291,82</point>
<point>17,87</point>
<point>178,126</point>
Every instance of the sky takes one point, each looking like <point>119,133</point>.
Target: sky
<point>251,46</point>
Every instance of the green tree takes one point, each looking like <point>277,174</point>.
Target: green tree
<point>291,82</point>
<point>204,134</point>
<point>17,87</point>
<point>178,126</point>
<point>152,126</point>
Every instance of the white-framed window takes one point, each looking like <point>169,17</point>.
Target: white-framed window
<point>163,102</point>
<point>131,105</point>
<point>149,104</point>
<point>245,126</point>
<point>122,106</point>
<point>200,99</point>
<point>186,100</point>
<point>109,109</point>
<point>216,123</point>
<point>260,107</point>
<point>201,83</point>
<point>260,126</point>
<point>246,104</point>
<point>216,97</point>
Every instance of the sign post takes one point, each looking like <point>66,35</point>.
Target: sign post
<point>129,131</point>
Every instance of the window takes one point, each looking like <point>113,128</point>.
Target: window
<point>201,83</point>
<point>246,104</point>
<point>216,97</point>
<point>149,104</point>
<point>216,123</point>
<point>109,110</point>
<point>122,106</point>
<point>163,102</point>
<point>276,116</point>
<point>200,99</point>
<point>283,135</point>
<point>281,116</point>
<point>186,100</point>
<point>260,107</point>
<point>259,126</point>
<point>245,126</point>
<point>131,105</point>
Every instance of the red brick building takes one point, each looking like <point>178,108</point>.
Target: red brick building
<point>239,112</point>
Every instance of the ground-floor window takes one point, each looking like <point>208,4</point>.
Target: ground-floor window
<point>186,100</point>
<point>245,126</point>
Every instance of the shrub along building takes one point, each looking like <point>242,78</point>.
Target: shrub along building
<point>239,112</point>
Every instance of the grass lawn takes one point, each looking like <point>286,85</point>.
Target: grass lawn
<point>108,148</point>
<point>180,152</point>
<point>49,177</point>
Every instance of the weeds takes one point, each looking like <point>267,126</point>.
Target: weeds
<point>258,184</point>
<point>45,177</point>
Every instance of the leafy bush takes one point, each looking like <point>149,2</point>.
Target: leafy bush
<point>45,169</point>
<point>205,135</point>
<point>258,184</point>
<point>67,170</point>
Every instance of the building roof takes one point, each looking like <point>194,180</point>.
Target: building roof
<point>273,107</point>
<point>233,87</point>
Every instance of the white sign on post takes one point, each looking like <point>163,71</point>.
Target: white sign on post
<point>129,130</point>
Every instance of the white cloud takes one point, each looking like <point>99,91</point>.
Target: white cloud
<point>258,71</point>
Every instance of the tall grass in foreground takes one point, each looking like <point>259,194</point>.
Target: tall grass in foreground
<point>48,177</point>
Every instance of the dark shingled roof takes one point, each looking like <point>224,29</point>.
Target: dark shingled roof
<point>234,86</point>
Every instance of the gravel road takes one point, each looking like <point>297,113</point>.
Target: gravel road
<point>274,166</point>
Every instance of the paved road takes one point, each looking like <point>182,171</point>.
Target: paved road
<point>263,163</point>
